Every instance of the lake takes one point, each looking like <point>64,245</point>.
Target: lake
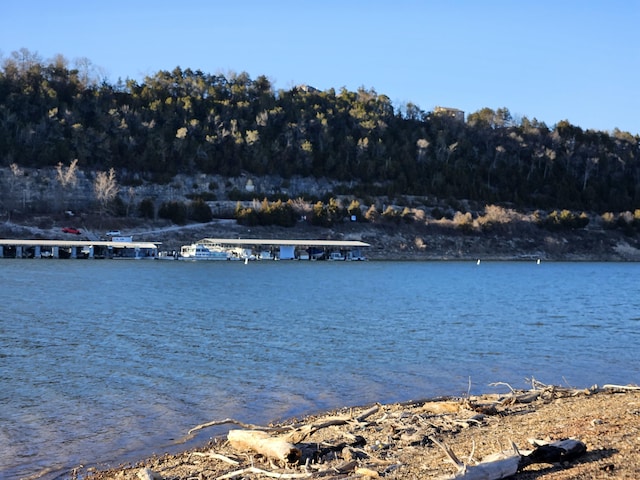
<point>105,361</point>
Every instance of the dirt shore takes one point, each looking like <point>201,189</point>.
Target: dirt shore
<point>388,241</point>
<point>400,441</point>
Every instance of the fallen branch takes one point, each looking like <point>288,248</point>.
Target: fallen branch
<point>300,433</point>
<point>507,463</point>
<point>259,471</point>
<point>624,388</point>
<point>216,456</point>
<point>224,422</point>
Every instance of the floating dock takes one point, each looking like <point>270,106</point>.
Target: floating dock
<point>114,249</point>
<point>77,249</point>
<point>289,249</point>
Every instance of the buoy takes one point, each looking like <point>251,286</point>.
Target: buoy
<point>478,262</point>
<point>538,262</point>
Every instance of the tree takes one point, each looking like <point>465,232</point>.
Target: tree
<point>106,188</point>
<point>200,211</point>
<point>66,178</point>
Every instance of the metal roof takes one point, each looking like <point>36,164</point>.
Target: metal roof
<point>76,243</point>
<point>271,241</point>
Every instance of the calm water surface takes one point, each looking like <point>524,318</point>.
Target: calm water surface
<point>108,361</point>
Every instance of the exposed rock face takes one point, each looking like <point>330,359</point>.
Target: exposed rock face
<point>32,205</point>
<point>40,190</point>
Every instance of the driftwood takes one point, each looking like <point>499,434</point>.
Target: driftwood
<point>216,456</point>
<point>261,442</point>
<point>302,432</point>
<point>508,463</point>
<point>259,471</point>
<point>224,422</point>
<point>293,451</point>
<point>281,447</point>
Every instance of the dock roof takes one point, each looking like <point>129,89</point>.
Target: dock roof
<point>76,243</point>
<point>290,242</point>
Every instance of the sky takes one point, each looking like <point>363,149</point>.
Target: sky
<point>551,60</point>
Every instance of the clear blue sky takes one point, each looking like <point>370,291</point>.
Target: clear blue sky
<point>547,59</point>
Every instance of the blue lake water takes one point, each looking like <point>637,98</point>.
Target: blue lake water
<point>103,361</point>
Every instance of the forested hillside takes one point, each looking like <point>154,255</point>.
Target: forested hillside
<point>191,122</point>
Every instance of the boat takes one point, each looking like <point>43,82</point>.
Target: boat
<point>267,255</point>
<point>336,256</point>
<point>355,255</point>
<point>198,251</point>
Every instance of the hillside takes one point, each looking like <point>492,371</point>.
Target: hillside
<point>190,123</point>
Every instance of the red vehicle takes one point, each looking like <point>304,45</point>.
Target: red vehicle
<point>75,231</point>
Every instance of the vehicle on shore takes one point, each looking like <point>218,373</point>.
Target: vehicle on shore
<point>73,231</point>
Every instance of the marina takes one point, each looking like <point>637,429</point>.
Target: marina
<point>77,249</point>
<point>205,249</point>
<point>272,249</point>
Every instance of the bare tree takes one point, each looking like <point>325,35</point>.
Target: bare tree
<point>67,178</point>
<point>106,188</point>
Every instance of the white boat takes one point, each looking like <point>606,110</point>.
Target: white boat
<point>240,253</point>
<point>266,255</point>
<point>355,255</point>
<point>336,256</point>
<point>198,251</point>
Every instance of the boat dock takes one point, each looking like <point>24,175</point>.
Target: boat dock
<point>255,248</point>
<point>268,248</point>
<point>77,249</point>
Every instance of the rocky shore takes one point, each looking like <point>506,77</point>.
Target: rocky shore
<point>411,441</point>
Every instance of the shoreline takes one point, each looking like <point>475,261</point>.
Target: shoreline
<point>400,440</point>
<point>392,242</point>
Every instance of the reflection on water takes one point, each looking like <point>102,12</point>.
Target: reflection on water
<point>101,361</point>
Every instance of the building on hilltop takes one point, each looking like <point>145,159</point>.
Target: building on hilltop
<point>307,88</point>
<point>453,113</point>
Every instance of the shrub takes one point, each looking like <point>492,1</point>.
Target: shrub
<point>391,215</point>
<point>354,210</point>
<point>174,211</point>
<point>564,219</point>
<point>247,216</point>
<point>265,213</point>
<point>407,215</point>
<point>200,212</point>
<point>437,214</point>
<point>147,209</point>
<point>463,221</point>
<point>372,214</point>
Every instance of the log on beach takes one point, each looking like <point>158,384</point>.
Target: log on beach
<point>259,441</point>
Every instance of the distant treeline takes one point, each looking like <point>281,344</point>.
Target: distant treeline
<point>187,121</point>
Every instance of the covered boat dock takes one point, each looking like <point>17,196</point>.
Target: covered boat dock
<point>77,249</point>
<point>293,249</point>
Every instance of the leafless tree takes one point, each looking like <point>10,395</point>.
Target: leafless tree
<point>67,178</point>
<point>106,188</point>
